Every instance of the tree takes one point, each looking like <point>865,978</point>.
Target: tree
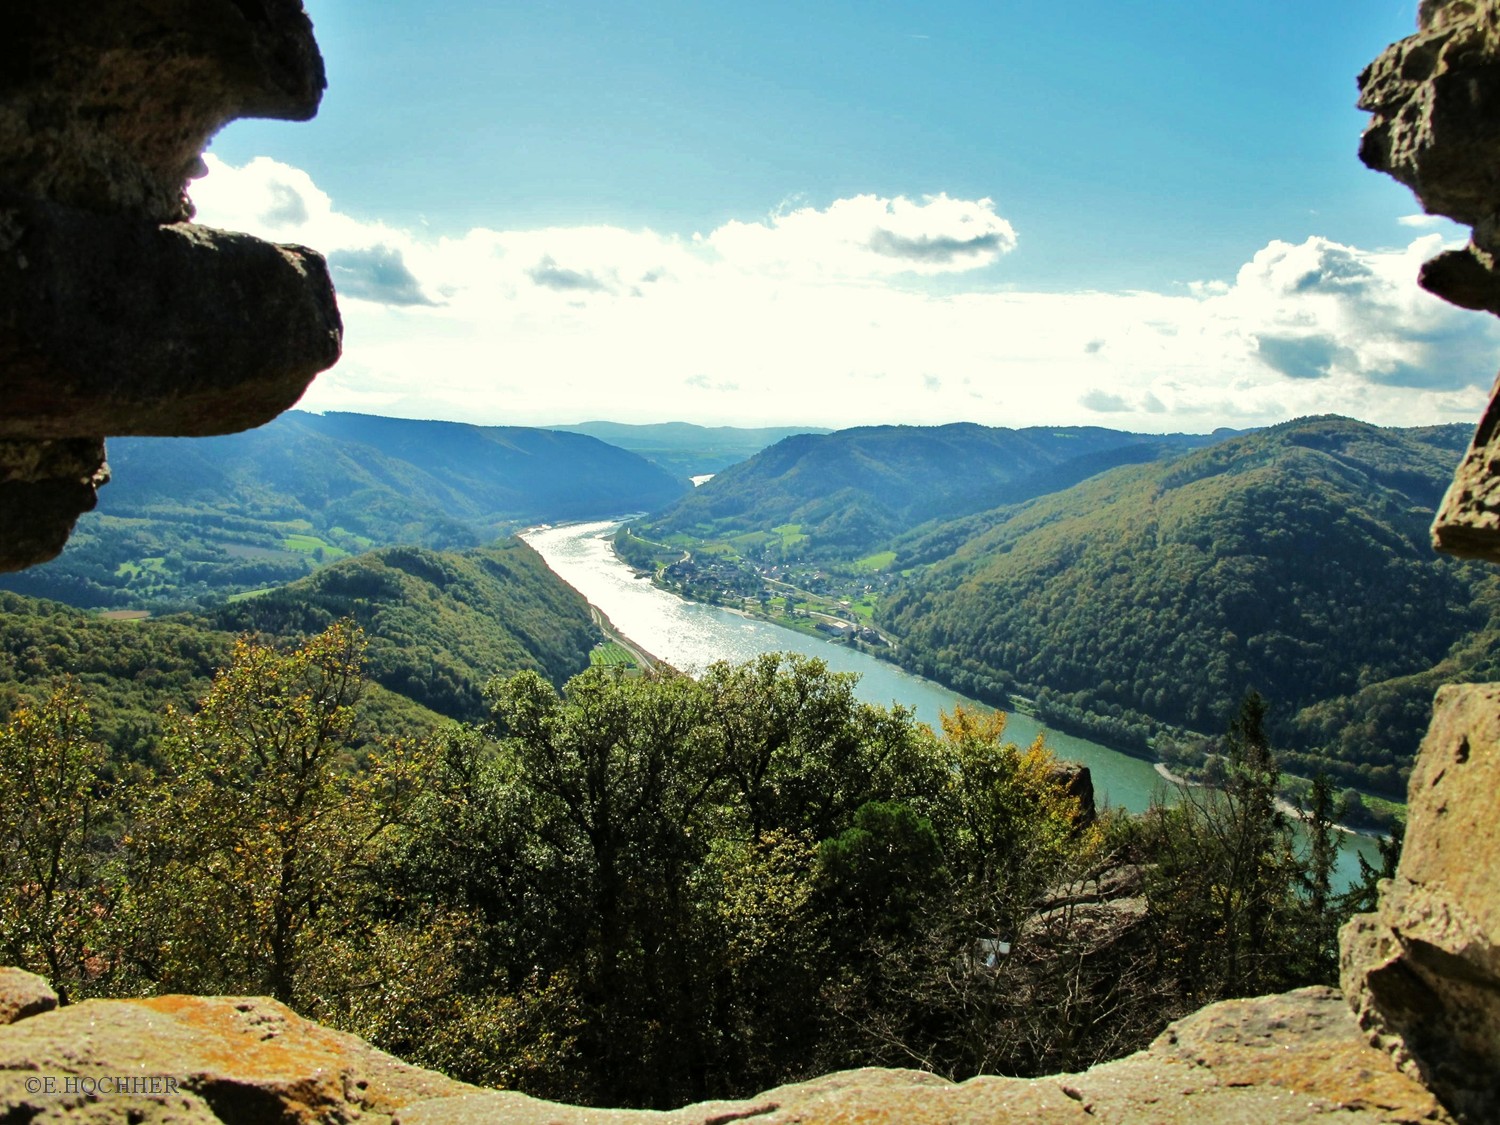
<point>624,774</point>
<point>1321,911</point>
<point>57,901</point>
<point>801,749</point>
<point>1238,912</point>
<point>262,822</point>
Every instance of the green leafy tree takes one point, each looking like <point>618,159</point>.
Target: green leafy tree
<point>625,774</point>
<point>58,898</point>
<point>262,823</point>
<point>1238,911</point>
<point>1321,910</point>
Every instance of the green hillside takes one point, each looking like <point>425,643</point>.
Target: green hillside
<point>851,490</point>
<point>1293,560</point>
<point>439,624</point>
<point>186,519</point>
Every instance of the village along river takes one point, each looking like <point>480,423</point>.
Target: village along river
<point>690,636</point>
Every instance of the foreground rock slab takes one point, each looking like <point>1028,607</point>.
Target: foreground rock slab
<point>1423,971</point>
<point>1292,1058</point>
<point>199,1059</point>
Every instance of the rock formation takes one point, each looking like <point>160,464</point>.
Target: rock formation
<point>118,315</point>
<point>1423,972</point>
<point>1435,101</point>
<point>199,1059</point>
<point>1291,1058</point>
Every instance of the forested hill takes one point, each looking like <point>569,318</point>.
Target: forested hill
<point>187,518</point>
<point>439,624</point>
<point>1294,560</point>
<point>360,471</point>
<point>852,489</point>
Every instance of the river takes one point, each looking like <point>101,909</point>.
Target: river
<point>691,636</point>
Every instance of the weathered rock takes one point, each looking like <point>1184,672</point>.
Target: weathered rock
<point>1077,780</point>
<point>119,326</point>
<point>110,321</point>
<point>107,104</point>
<point>214,1059</point>
<point>44,487</point>
<point>1292,1058</point>
<point>1423,971</point>
<point>1468,520</point>
<point>23,994</point>
<point>1435,98</point>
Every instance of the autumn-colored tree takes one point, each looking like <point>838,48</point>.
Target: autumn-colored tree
<point>262,822</point>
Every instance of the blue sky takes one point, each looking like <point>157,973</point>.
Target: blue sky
<point>831,213</point>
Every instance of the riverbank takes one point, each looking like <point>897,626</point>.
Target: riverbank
<point>1281,803</point>
<point>643,659</point>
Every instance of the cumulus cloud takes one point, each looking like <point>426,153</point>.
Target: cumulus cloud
<point>1318,309</point>
<point>548,274</point>
<point>826,315</point>
<point>873,236</point>
<point>375,273</point>
<point>1297,357</point>
<point>1104,402</point>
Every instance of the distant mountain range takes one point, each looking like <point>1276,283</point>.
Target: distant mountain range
<point>1130,584</point>
<point>186,518</point>
<point>1294,560</point>
<point>1127,584</point>
<point>851,490</point>
<point>366,472</point>
<point>687,450</point>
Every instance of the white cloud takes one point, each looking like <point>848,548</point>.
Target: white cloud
<point>823,316</point>
<point>870,236</point>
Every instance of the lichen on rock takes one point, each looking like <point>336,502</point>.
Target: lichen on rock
<point>1423,971</point>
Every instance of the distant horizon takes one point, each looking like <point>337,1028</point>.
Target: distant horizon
<point>810,427</point>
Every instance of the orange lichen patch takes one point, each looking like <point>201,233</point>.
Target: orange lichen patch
<point>1322,1061</point>
<point>254,1048</point>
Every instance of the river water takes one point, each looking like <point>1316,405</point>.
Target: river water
<point>690,636</point>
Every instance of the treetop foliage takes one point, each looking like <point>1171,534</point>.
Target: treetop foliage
<point>637,890</point>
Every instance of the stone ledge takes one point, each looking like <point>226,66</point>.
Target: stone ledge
<point>111,325</point>
<point>1291,1058</point>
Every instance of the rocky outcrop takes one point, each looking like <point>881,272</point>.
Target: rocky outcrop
<point>117,316</point>
<point>1077,781</point>
<point>1291,1058</point>
<point>200,1059</point>
<point>1435,100</point>
<point>1423,972</point>
<point>23,994</point>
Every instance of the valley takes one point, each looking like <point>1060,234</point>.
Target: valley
<point>1135,604</point>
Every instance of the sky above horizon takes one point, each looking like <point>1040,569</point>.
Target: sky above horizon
<point>1149,217</point>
